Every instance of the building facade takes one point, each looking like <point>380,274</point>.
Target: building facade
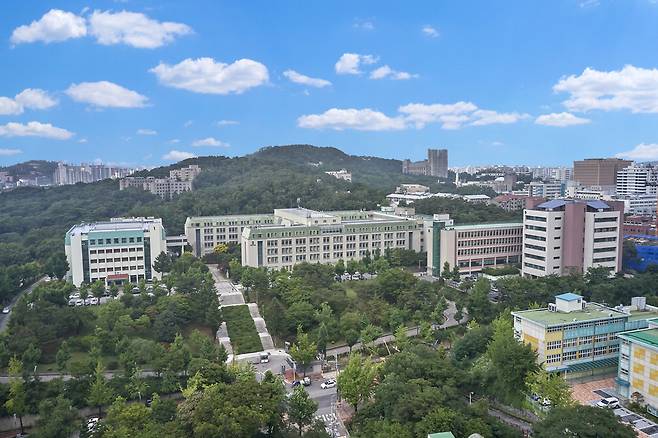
<point>340,174</point>
<point>598,171</point>
<point>179,181</point>
<point>436,164</point>
<point>546,190</point>
<point>637,373</point>
<point>472,247</point>
<point>118,251</point>
<point>577,338</point>
<point>565,236</point>
<point>67,174</point>
<point>641,205</point>
<point>636,180</point>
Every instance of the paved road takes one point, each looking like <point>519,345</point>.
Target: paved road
<point>389,339</point>
<point>4,318</point>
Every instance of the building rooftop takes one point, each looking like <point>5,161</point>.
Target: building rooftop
<point>485,226</point>
<point>304,212</point>
<point>115,224</point>
<point>558,203</point>
<point>569,296</point>
<point>647,336</point>
<point>592,312</point>
<point>441,435</point>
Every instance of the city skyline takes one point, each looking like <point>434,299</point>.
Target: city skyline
<point>149,83</point>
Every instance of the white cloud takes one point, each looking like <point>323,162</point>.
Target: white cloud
<point>55,25</point>
<point>227,122</point>
<point>497,143</point>
<point>32,98</point>
<point>359,119</point>
<point>205,75</point>
<point>450,116</point>
<point>174,155</point>
<point>35,98</point>
<point>561,120</point>
<point>589,3</point>
<point>9,106</point>
<point>430,31</point>
<point>134,29</point>
<point>5,152</point>
<point>631,88</point>
<point>143,131</point>
<point>387,72</point>
<point>299,78</point>
<point>418,115</point>
<point>488,117</point>
<point>174,141</point>
<point>210,141</point>
<point>188,123</point>
<point>34,129</point>
<point>363,24</point>
<point>106,94</point>
<point>643,151</point>
<point>350,63</point>
<point>82,140</point>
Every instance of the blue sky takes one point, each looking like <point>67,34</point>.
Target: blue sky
<point>145,82</point>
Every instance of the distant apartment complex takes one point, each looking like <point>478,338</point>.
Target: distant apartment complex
<point>179,181</point>
<point>66,174</point>
<point>118,251</point>
<point>564,236</point>
<point>598,171</point>
<point>295,235</point>
<point>340,174</point>
<point>637,180</point>
<point>472,247</point>
<point>436,164</point>
<point>578,338</point>
<point>546,190</point>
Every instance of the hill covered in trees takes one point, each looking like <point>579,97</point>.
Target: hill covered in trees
<point>33,220</point>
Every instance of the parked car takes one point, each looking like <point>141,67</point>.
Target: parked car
<point>366,276</point>
<point>93,301</point>
<point>295,383</point>
<point>264,357</point>
<point>345,277</point>
<point>306,381</point>
<point>92,423</point>
<point>331,383</point>
<point>79,302</point>
<point>72,302</point>
<point>135,290</point>
<point>608,402</point>
<point>6,310</point>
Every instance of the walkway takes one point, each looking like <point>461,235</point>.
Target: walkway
<point>4,317</point>
<point>229,295</point>
<point>388,338</point>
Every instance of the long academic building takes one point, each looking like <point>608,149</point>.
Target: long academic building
<point>295,235</point>
<point>117,251</point>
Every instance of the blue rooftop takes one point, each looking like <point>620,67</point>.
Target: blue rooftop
<point>557,203</point>
<point>569,296</point>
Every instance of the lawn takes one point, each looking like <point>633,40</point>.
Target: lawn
<point>241,329</point>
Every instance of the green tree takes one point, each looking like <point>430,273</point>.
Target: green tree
<point>357,380</point>
<point>301,408</point>
<point>339,268</point>
<point>16,403</point>
<point>100,394</point>
<point>57,418</point>
<point>114,290</point>
<point>178,355</point>
<point>478,304</point>
<point>456,275</point>
<point>550,386</point>
<point>401,339</point>
<point>98,288</point>
<point>56,265</point>
<point>369,334</point>
<point>446,274</point>
<point>137,386</point>
<point>323,335</point>
<point>63,356</point>
<point>303,350</point>
<point>510,362</point>
<point>163,263</point>
<point>583,422</point>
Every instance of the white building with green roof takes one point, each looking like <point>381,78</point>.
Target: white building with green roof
<point>577,338</point>
<point>637,374</point>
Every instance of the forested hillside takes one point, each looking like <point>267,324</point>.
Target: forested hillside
<point>33,220</point>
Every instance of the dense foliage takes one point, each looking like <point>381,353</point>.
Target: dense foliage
<point>241,329</point>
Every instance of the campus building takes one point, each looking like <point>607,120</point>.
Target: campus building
<point>578,338</point>
<point>179,181</point>
<point>436,164</point>
<point>546,190</point>
<point>637,373</point>
<point>117,251</point>
<point>302,235</point>
<point>472,247</point>
<point>294,235</point>
<point>340,174</point>
<point>637,180</point>
<point>564,236</point>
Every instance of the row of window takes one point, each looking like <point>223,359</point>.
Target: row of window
<point>117,269</point>
<point>582,354</point>
<point>485,242</point>
<point>489,233</point>
<point>115,241</point>
<point>116,250</point>
<point>315,257</point>
<point>116,260</point>
<point>489,250</point>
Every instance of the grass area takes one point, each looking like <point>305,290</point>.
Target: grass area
<point>241,329</point>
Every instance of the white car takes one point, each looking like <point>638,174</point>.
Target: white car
<point>79,302</point>
<point>608,402</point>
<point>93,301</point>
<point>6,310</point>
<point>331,383</point>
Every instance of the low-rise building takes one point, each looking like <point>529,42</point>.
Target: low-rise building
<point>302,235</point>
<point>476,199</point>
<point>643,205</point>
<point>117,251</point>
<point>179,181</point>
<point>340,174</point>
<point>637,373</point>
<point>639,225</point>
<point>550,190</point>
<point>577,338</point>
<point>472,247</point>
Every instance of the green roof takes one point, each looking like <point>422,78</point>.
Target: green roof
<point>441,435</point>
<point>646,336</point>
<point>592,312</point>
<point>642,314</point>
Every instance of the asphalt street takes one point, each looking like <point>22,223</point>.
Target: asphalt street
<point>4,317</point>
